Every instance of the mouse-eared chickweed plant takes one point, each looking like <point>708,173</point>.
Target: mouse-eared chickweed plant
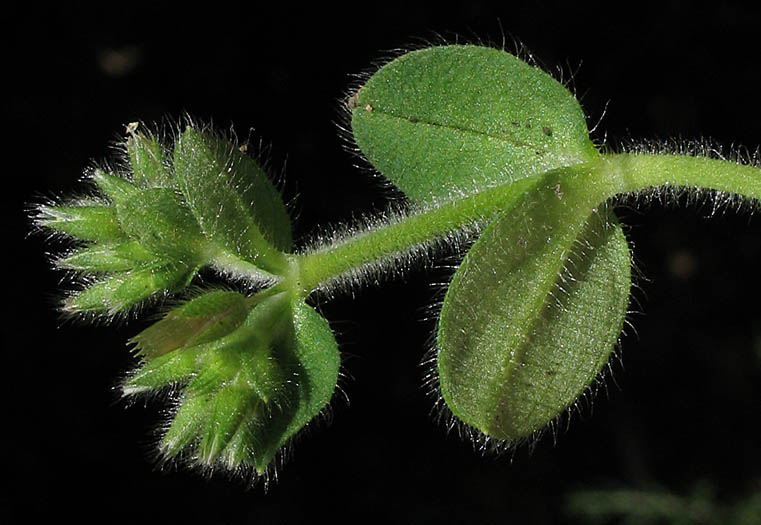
<point>491,153</point>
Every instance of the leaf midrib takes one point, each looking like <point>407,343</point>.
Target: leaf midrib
<point>539,149</point>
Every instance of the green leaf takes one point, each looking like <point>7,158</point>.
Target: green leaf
<point>448,121</point>
<point>236,205</point>
<point>533,313</point>
<point>162,223</point>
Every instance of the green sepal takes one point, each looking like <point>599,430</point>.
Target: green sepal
<point>159,219</point>
<point>243,405</point>
<point>236,205</point>
<point>165,370</point>
<point>99,258</point>
<point>187,422</point>
<point>535,309</point>
<point>449,121</point>
<point>116,188</point>
<point>201,320</point>
<point>123,290</point>
<point>232,407</point>
<point>149,166</point>
<point>96,223</point>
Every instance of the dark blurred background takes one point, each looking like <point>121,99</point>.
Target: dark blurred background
<point>681,413</point>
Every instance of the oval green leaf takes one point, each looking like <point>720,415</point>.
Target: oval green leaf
<point>448,121</point>
<point>534,311</point>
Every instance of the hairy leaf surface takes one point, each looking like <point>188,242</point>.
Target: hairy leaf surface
<point>534,311</point>
<point>452,120</point>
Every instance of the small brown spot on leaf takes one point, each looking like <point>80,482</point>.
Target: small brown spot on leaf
<point>549,373</point>
<point>559,191</point>
<point>351,102</point>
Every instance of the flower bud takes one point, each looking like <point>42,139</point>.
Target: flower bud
<point>252,372</point>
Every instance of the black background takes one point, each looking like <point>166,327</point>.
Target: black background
<point>685,403</point>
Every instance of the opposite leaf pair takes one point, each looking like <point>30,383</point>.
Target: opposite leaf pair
<point>533,313</point>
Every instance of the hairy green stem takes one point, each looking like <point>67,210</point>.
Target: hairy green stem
<point>642,171</point>
<point>403,235</point>
<point>615,174</point>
